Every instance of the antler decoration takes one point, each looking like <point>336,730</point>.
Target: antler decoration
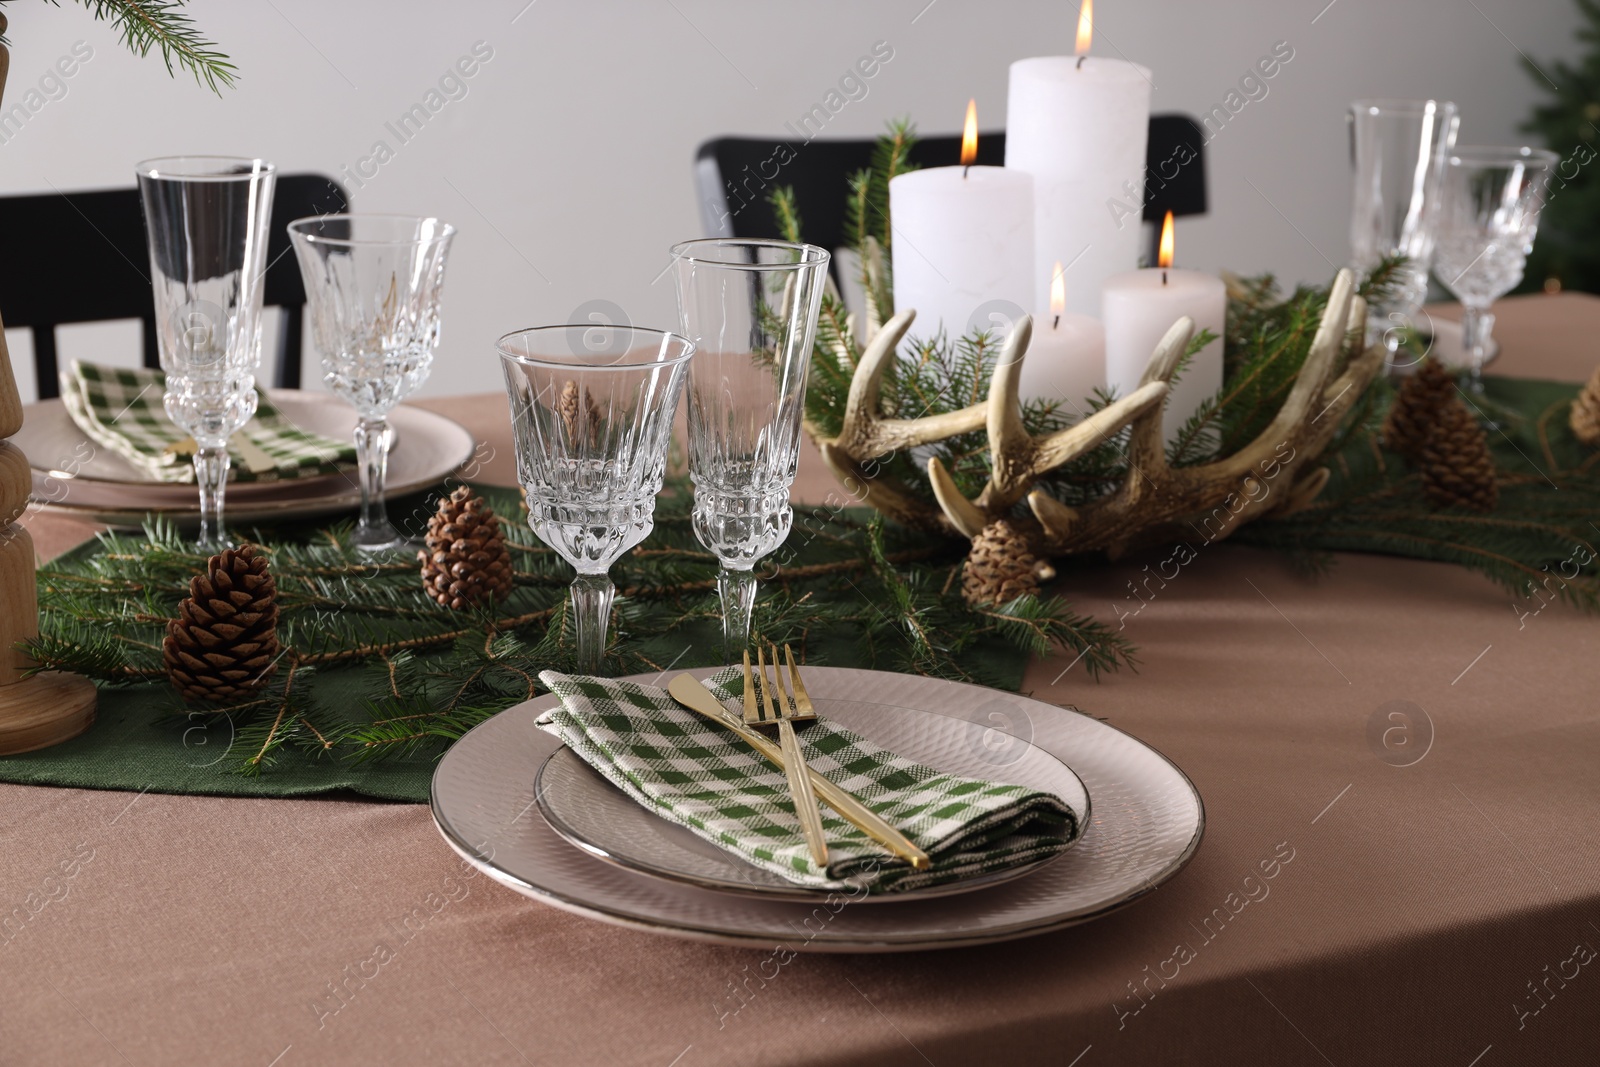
<point>867,437</point>
<point>1155,503</point>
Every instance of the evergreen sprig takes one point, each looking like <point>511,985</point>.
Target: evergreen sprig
<point>1540,544</point>
<point>1568,122</point>
<point>373,669</point>
<point>164,25</point>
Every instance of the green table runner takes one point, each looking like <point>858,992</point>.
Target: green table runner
<point>144,738</point>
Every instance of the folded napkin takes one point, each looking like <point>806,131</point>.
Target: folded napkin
<point>122,410</point>
<point>690,771</point>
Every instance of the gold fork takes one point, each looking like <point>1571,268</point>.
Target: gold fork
<point>784,706</point>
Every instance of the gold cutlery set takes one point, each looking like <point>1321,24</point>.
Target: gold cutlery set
<point>769,701</point>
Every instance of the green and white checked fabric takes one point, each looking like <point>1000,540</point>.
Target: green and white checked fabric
<point>688,770</point>
<point>122,410</point>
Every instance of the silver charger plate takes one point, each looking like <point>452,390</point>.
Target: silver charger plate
<point>74,476</point>
<point>594,815</point>
<point>1147,823</point>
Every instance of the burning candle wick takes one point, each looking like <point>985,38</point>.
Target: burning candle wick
<point>969,138</point>
<point>1163,277</point>
<point>1056,323</point>
<point>1080,62</point>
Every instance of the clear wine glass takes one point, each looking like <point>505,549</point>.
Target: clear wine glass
<point>1489,215</point>
<point>1397,148</point>
<point>591,413</point>
<point>373,283</point>
<point>206,218</point>
<point>750,307</point>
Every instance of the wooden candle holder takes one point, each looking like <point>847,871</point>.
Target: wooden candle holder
<point>48,708</point>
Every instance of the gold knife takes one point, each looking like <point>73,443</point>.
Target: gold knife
<point>692,694</point>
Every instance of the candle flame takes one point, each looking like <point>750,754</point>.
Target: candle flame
<point>1164,254</point>
<point>969,135</point>
<point>1085,27</point>
<point>1058,290</point>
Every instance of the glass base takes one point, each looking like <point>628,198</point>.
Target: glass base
<point>384,538</point>
<point>212,542</point>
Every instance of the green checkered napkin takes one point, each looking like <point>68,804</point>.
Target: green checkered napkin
<point>690,771</point>
<point>122,410</point>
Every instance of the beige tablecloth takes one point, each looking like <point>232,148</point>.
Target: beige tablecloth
<point>1439,913</point>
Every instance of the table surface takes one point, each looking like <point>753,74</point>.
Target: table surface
<point>1436,913</point>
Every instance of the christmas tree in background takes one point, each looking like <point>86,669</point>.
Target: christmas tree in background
<point>1567,254</point>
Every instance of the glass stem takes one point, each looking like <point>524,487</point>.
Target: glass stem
<point>1476,326</point>
<point>738,592</point>
<point>211,474</point>
<point>372,456</point>
<point>591,607</point>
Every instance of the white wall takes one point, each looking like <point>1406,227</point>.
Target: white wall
<point>567,164</point>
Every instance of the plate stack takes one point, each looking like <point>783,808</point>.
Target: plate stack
<point>522,808</point>
<point>74,476</point>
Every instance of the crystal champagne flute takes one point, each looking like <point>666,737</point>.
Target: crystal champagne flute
<point>206,219</point>
<point>1397,148</point>
<point>750,307</point>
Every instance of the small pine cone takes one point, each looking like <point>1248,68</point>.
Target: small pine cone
<point>1457,469</point>
<point>224,643</point>
<point>1421,397</point>
<point>1001,566</point>
<point>1585,416</point>
<point>466,561</point>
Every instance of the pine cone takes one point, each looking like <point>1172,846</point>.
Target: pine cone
<point>1001,566</point>
<point>1585,416</point>
<point>224,643</point>
<point>1421,396</point>
<point>466,561</point>
<point>1457,469</point>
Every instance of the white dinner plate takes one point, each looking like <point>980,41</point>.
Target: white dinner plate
<point>1146,824</point>
<point>74,476</point>
<point>594,815</point>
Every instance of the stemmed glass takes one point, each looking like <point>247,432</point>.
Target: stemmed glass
<point>373,283</point>
<point>206,219</point>
<point>750,306</point>
<point>1397,148</point>
<point>1489,215</point>
<point>591,414</point>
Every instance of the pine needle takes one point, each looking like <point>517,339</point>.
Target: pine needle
<point>164,25</point>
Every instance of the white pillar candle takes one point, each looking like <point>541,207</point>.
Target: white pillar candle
<point>1079,124</point>
<point>1066,360</point>
<point>1139,307</point>
<point>962,244</point>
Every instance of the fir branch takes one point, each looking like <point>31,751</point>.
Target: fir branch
<point>1040,626</point>
<point>858,208</point>
<point>165,25</point>
<point>784,210</point>
<point>106,608</point>
<point>891,158</point>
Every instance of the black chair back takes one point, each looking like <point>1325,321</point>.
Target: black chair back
<point>83,257</point>
<point>735,175</point>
